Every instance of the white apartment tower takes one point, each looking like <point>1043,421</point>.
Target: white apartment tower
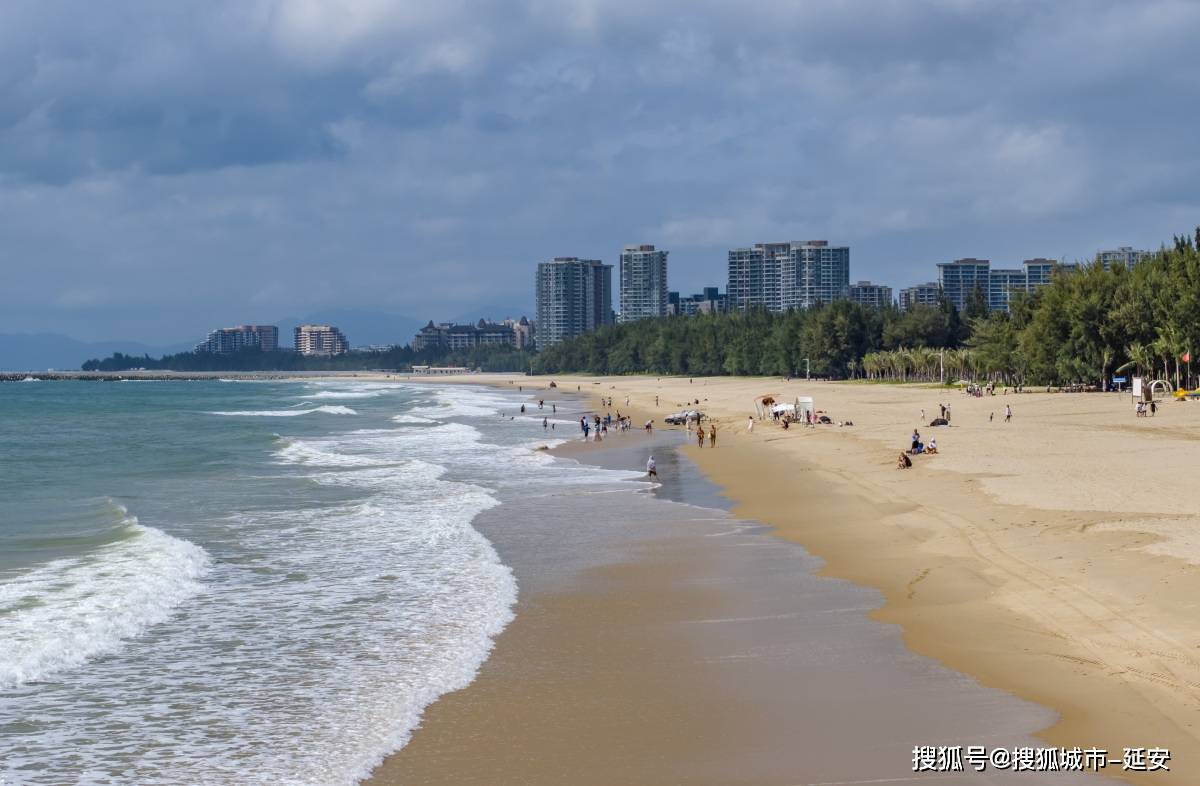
<point>643,283</point>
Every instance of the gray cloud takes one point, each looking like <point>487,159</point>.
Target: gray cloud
<point>164,169</point>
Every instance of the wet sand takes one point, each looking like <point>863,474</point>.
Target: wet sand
<point>657,642</point>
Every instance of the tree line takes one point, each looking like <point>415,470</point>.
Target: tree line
<point>1081,328</point>
<point>398,358</point>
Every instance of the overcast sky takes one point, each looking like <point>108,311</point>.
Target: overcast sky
<point>166,168</point>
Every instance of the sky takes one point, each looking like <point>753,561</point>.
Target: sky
<point>168,168</point>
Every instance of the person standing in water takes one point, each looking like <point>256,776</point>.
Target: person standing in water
<point>651,468</point>
<point>545,424</point>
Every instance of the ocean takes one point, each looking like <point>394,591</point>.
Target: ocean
<point>236,582</point>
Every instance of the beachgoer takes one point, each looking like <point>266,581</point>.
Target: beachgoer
<point>932,448</point>
<point>522,409</point>
<point>916,440</point>
<point>712,436</point>
<point>652,468</point>
<point>656,401</point>
<point>545,424</point>
<point>1007,413</point>
<point>904,462</point>
<point>699,435</point>
<point>1153,407</point>
<point>554,408</point>
<point>649,426</point>
<point>922,416</point>
<point>750,425</point>
<point>947,414</point>
<point>991,416</point>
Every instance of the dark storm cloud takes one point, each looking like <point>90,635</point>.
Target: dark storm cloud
<point>166,168</point>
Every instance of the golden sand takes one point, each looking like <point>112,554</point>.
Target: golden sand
<point>1054,557</point>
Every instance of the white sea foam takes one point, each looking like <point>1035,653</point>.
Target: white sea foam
<point>457,401</point>
<point>343,394</point>
<point>69,611</point>
<point>328,409</point>
<point>411,419</point>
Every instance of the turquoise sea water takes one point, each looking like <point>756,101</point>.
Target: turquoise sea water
<point>246,582</point>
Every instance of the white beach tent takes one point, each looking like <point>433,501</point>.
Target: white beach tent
<point>800,409</point>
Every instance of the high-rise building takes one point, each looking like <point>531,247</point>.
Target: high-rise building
<point>320,340</point>
<point>868,294</point>
<point>961,277</point>
<point>1001,285</point>
<point>781,276</point>
<point>919,295</point>
<point>1125,256</point>
<point>224,341</point>
<point>643,283</point>
<point>710,301</point>
<point>1040,272</point>
<point>573,296</point>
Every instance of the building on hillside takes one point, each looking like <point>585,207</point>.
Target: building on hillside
<point>224,341</point>
<point>325,340</point>
<point>710,301</point>
<point>573,296</point>
<point>643,276</point>
<point>782,276</point>
<point>920,295</point>
<point>1125,256</point>
<point>452,336</point>
<point>868,294</point>
<point>958,279</point>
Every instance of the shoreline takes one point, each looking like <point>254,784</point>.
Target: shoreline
<point>661,660</point>
<point>1063,603</point>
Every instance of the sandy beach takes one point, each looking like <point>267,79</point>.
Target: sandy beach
<point>1053,557</point>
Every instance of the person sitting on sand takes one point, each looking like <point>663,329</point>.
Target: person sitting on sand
<point>651,468</point>
<point>904,462</point>
<point>932,448</point>
<point>916,440</point>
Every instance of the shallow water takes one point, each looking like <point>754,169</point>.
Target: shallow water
<point>207,582</point>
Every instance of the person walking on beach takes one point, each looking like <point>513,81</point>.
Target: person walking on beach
<point>699,435</point>
<point>656,401</point>
<point>947,414</point>
<point>750,424</point>
<point>651,468</point>
<point>1007,413</point>
<point>712,436</point>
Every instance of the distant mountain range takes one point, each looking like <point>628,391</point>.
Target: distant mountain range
<point>42,351</point>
